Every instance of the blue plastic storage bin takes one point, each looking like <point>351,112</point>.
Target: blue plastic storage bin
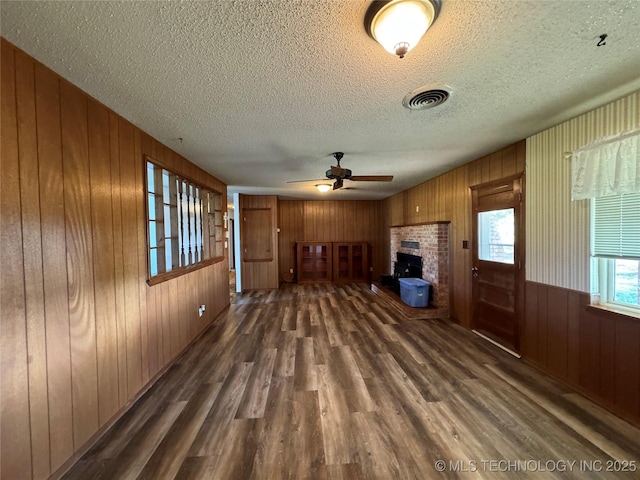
<point>414,291</point>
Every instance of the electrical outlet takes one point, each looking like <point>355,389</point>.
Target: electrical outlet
<point>417,208</point>
<point>203,307</point>
<point>200,312</point>
<point>371,269</point>
<point>291,270</point>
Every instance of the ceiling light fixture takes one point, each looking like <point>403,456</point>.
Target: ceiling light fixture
<point>398,25</point>
<point>323,187</point>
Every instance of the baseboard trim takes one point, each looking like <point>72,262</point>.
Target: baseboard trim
<point>508,350</point>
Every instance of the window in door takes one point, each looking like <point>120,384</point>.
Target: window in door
<point>496,238</point>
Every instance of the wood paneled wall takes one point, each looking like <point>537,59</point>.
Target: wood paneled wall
<point>82,333</point>
<point>396,207</point>
<point>596,352</point>
<point>331,221</point>
<point>291,224</point>
<point>259,274</point>
<point>448,198</point>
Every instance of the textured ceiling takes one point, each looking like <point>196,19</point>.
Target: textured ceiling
<point>261,92</point>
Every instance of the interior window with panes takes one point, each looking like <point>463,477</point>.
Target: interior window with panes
<point>185,224</point>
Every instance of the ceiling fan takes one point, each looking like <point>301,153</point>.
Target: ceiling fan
<point>340,174</point>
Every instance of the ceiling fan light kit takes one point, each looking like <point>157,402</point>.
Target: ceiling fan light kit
<point>398,25</point>
<point>323,187</point>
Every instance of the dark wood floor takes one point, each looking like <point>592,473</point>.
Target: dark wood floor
<point>327,382</point>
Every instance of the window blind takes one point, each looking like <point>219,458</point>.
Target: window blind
<point>616,226</point>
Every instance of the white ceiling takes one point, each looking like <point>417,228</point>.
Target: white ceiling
<point>261,92</point>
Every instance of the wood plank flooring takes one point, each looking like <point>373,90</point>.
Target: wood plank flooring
<point>328,382</point>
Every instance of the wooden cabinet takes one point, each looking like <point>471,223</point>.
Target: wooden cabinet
<point>350,262</point>
<point>314,262</point>
<point>337,261</point>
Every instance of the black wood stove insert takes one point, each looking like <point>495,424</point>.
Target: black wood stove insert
<point>405,266</point>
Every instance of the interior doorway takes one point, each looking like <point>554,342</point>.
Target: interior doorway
<point>498,261</point>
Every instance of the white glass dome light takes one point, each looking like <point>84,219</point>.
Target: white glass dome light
<point>398,25</point>
<point>323,187</point>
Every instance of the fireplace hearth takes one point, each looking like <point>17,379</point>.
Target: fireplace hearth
<point>433,252</point>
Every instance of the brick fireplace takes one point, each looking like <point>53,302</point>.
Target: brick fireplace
<point>431,242</point>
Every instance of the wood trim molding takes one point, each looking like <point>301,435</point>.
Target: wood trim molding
<point>163,277</point>
<point>499,181</point>
<point>610,310</point>
<point>420,224</point>
<point>172,169</point>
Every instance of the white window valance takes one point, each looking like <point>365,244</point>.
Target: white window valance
<point>610,166</point>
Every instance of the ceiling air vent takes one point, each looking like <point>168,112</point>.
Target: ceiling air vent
<point>424,98</point>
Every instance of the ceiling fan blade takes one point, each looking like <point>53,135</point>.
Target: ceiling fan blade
<point>371,178</point>
<point>311,180</point>
<point>337,184</point>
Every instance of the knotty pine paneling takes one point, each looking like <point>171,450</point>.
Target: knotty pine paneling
<point>331,221</point>
<point>595,352</point>
<point>82,333</point>
<point>448,198</point>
